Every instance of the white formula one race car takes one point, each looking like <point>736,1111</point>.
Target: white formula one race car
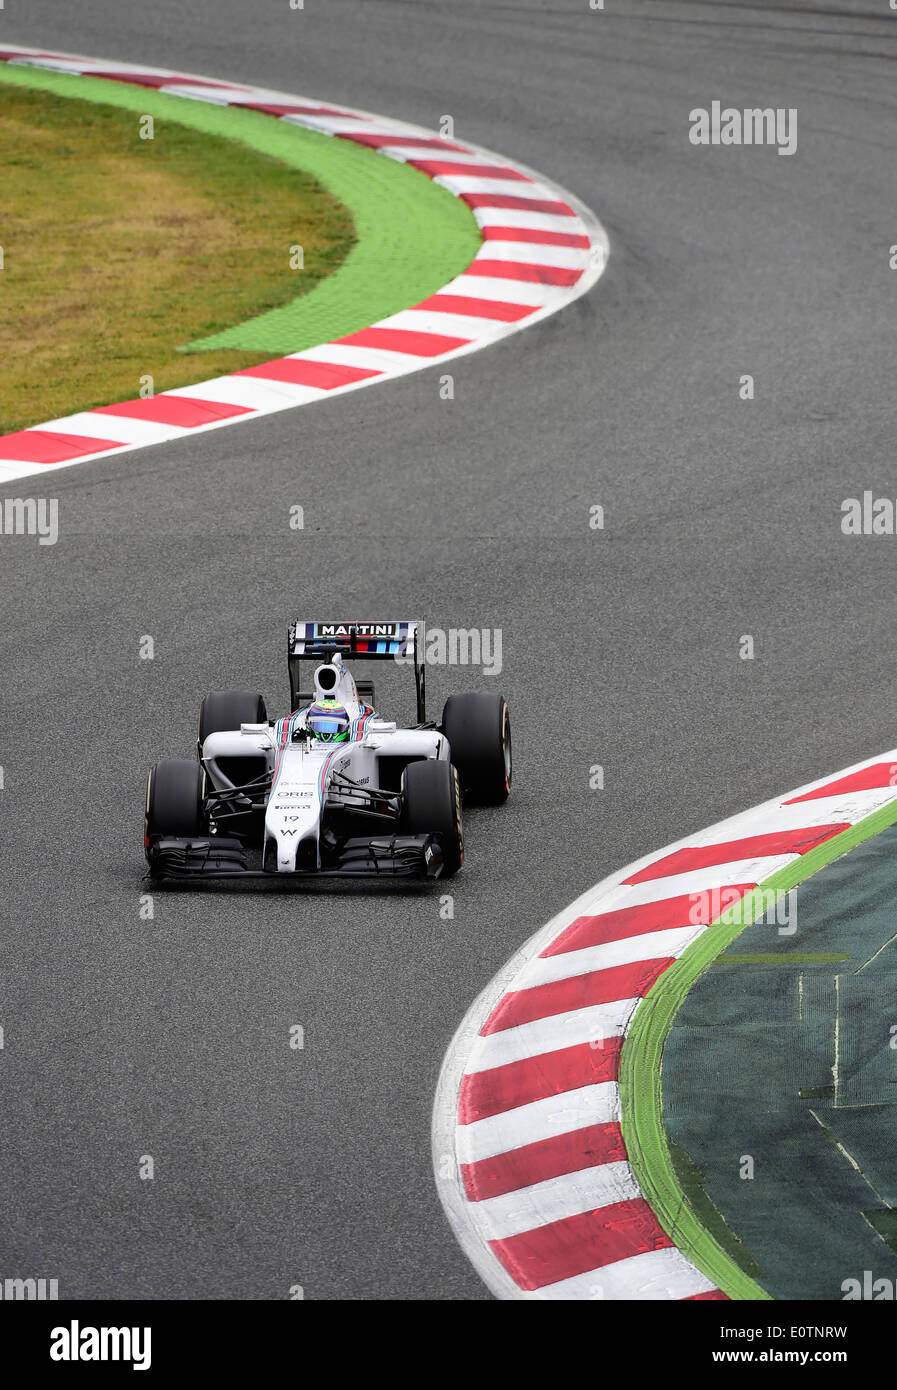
<point>333,788</point>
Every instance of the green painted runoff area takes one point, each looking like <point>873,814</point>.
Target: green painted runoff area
<point>779,1086</point>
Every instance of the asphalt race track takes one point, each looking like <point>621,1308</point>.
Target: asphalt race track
<point>170,1037</point>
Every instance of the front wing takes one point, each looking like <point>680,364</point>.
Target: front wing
<point>217,856</point>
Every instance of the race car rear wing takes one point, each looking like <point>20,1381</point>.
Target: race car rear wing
<point>402,642</point>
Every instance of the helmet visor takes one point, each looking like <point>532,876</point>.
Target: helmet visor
<point>326,726</point>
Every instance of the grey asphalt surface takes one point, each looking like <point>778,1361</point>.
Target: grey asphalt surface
<point>170,1037</point>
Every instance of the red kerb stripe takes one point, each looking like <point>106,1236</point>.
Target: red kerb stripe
<point>683,861</point>
<point>513,200</point>
<point>533,234</point>
<point>404,340</point>
<point>184,411</point>
<point>48,446</point>
<point>301,372</point>
<point>546,1158</point>
<point>577,1244</point>
<point>577,992</point>
<point>274,108</point>
<point>518,270</point>
<point>867,779</point>
<point>492,1092</point>
<point>435,167</point>
<point>140,79</point>
<point>685,910</point>
<point>478,308</point>
<point>384,142</point>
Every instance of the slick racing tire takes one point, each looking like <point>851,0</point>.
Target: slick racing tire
<point>224,710</point>
<point>174,796</point>
<point>431,805</point>
<point>478,728</point>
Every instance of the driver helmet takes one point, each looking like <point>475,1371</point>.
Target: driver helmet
<point>329,721</point>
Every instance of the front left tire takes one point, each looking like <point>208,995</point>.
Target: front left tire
<point>431,805</point>
<point>175,789</point>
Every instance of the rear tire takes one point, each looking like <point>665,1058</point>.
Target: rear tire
<point>174,796</point>
<point>224,710</point>
<point>478,728</point>
<point>431,805</point>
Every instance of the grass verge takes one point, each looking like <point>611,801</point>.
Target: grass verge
<point>118,249</point>
<point>120,253</point>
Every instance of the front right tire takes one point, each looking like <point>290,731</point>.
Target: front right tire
<point>478,728</point>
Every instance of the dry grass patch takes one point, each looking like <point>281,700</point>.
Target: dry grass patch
<point>118,251</point>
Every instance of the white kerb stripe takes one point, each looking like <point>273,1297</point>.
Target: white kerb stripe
<point>529,252</point>
<point>541,1119</point>
<point>479,183</point>
<point>403,154</point>
<point>827,810</point>
<point>212,96</point>
<point>550,1034</point>
<point>543,970</point>
<point>656,1276</point>
<point>701,880</point>
<point>529,292</point>
<point>468,326</point>
<point>118,427</point>
<point>554,1200</point>
<point>371,359</point>
<point>530,220</point>
<point>327,125</point>
<point>253,392</point>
